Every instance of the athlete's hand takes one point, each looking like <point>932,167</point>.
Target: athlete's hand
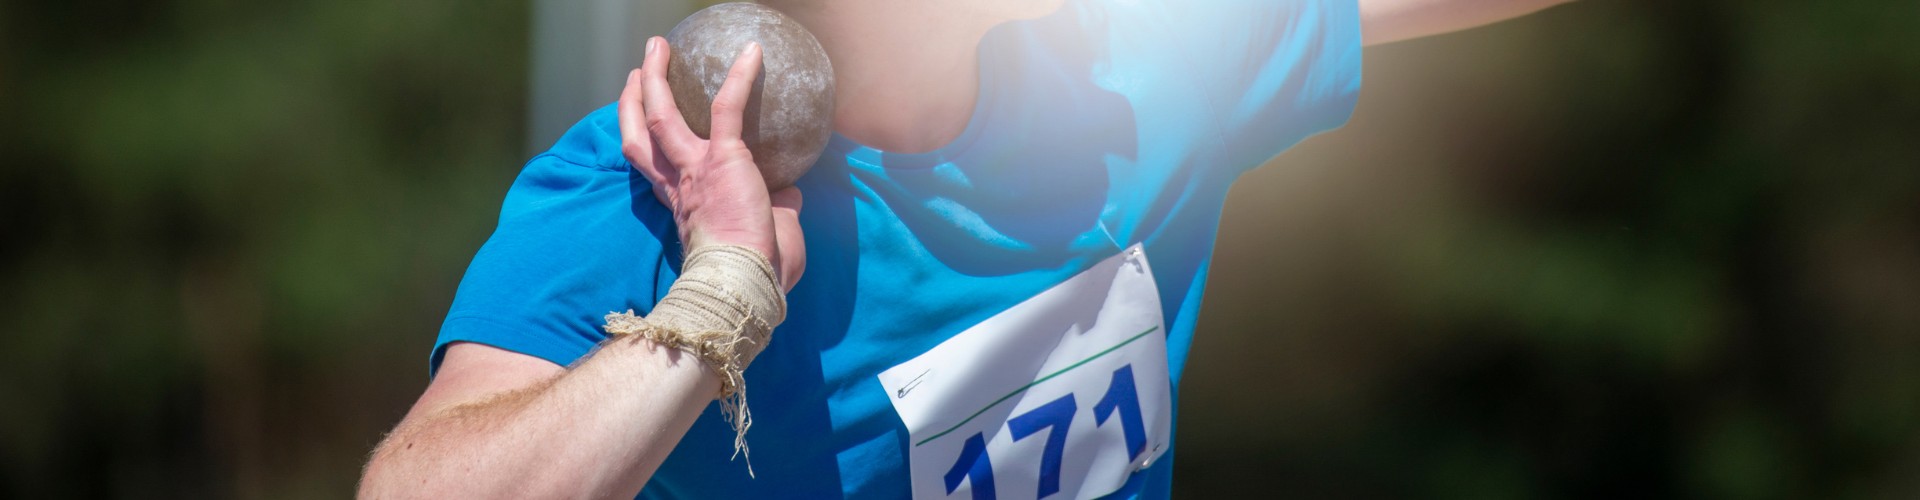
<point>712,185</point>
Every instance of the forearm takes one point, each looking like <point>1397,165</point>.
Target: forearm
<point>598,430</point>
<point>1386,21</point>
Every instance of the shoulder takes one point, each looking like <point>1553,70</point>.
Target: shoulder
<point>579,235</point>
<point>1258,75</point>
<point>1216,50</point>
<point>582,192</point>
<point>592,142</point>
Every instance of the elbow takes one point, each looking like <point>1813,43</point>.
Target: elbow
<point>399,471</point>
<point>396,471</point>
<point>390,480</point>
<point>374,483</point>
<point>383,478</point>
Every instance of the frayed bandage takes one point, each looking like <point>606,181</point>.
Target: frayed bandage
<point>721,310</point>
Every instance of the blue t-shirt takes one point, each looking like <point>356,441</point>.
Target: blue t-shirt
<point>1107,124</point>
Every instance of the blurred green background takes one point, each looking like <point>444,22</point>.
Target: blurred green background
<point>1634,248</point>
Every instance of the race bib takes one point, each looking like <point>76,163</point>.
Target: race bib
<point>1062,396</point>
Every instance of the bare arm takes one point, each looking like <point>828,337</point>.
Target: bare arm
<point>1384,21</point>
<point>496,424</point>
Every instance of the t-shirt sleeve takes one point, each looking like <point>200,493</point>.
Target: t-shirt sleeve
<point>1274,71</point>
<point>574,242</point>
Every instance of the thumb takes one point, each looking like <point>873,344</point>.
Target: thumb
<point>789,241</point>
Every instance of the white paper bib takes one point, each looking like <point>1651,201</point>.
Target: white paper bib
<point>1061,396</point>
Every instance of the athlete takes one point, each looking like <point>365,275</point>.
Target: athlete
<point>1004,248</point>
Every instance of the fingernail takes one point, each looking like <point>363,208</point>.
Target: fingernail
<point>753,47</point>
<point>651,42</point>
<point>632,75</point>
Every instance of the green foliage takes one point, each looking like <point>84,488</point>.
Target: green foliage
<point>1618,249</point>
<point>233,228</point>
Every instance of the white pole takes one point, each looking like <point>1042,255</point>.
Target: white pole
<point>582,50</point>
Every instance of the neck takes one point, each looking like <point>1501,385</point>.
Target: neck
<point>906,74</point>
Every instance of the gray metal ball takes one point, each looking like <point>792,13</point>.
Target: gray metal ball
<point>790,117</point>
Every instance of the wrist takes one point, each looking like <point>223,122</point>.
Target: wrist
<point>721,310</point>
<point>664,365</point>
<point>759,242</point>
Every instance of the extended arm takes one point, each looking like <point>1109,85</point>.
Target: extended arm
<point>1384,21</point>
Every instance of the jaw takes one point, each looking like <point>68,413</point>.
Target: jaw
<point>905,71</point>
<point>1014,10</point>
<point>1000,10</point>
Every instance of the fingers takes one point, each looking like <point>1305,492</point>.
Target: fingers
<point>663,120</point>
<point>730,102</point>
<point>788,239</point>
<point>637,145</point>
<point>788,198</point>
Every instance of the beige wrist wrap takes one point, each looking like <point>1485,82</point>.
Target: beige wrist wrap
<point>722,310</point>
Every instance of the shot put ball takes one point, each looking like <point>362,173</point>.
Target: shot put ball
<point>790,116</point>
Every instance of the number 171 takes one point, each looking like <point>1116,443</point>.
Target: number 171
<point>1121,397</point>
